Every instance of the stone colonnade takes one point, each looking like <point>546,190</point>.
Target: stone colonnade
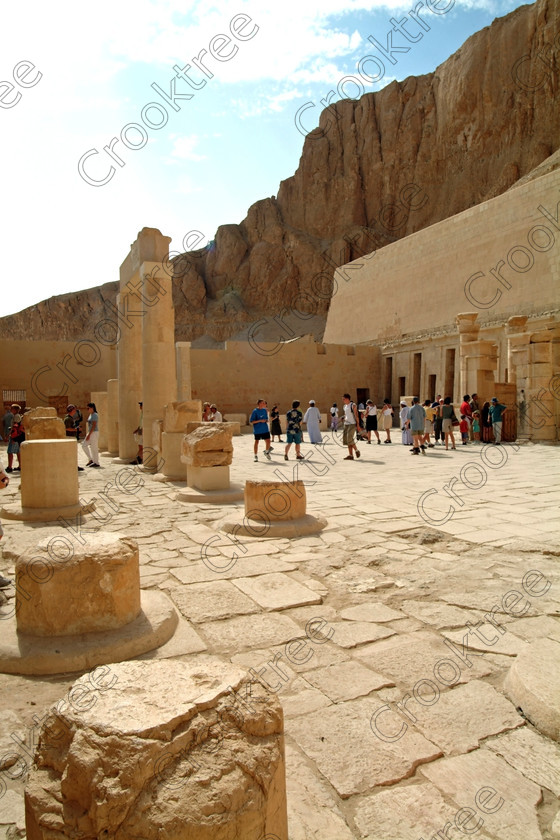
<point>152,368</point>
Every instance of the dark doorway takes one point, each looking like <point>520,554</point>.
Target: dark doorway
<point>416,371</point>
<point>362,394</point>
<point>431,387</point>
<point>388,384</point>
<point>449,390</point>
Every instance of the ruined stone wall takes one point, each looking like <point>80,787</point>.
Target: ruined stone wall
<point>48,369</point>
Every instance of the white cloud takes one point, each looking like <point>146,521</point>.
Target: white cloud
<point>183,148</point>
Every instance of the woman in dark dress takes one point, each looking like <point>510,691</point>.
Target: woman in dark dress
<point>486,423</point>
<point>275,427</point>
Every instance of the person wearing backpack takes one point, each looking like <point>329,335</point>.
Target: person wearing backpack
<point>351,422</point>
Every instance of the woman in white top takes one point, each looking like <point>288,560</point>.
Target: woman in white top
<point>313,418</point>
<point>370,414</point>
<point>334,417</point>
<point>387,414</point>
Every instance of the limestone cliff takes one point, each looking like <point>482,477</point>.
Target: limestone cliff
<point>463,134</point>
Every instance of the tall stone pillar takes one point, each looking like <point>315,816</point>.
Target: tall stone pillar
<point>468,333</point>
<point>100,400</point>
<point>543,391</point>
<point>184,380</point>
<point>113,416</point>
<point>518,342</point>
<point>479,359</point>
<point>150,247</point>
<point>159,376</point>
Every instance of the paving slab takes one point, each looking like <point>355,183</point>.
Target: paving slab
<point>365,761</point>
<point>350,634</point>
<point>539,627</point>
<point>347,680</point>
<point>407,813</point>
<point>538,758</point>
<point>439,614</point>
<point>202,602</point>
<point>277,591</point>
<point>533,684</point>
<point>245,632</point>
<point>371,611</point>
<point>459,719</point>
<point>413,657</point>
<point>216,568</point>
<point>487,638</point>
<point>313,812</point>
<point>463,776</point>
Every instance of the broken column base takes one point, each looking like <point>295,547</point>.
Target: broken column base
<point>210,485</point>
<point>274,509</point>
<point>24,653</point>
<point>183,750</point>
<point>305,526</point>
<point>28,514</point>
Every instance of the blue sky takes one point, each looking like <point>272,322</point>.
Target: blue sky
<point>217,153</point>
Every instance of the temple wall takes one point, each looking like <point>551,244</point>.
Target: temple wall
<point>233,377</point>
<point>500,258</point>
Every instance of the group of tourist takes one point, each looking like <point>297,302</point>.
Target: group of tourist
<point>418,423</point>
<point>90,444</point>
<point>261,419</point>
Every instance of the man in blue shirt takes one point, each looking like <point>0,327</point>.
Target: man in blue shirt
<point>496,411</point>
<point>259,421</point>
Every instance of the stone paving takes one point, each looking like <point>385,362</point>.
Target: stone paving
<point>388,636</point>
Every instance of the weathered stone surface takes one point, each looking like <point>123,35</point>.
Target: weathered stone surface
<point>166,747</point>
<point>312,809</point>
<point>488,638</point>
<point>33,414</point>
<point>12,815</point>
<point>208,445</point>
<point>462,777</point>
<point>346,681</point>
<point>211,601</point>
<point>419,656</point>
<point>277,591</point>
<point>44,428</point>
<point>10,725</point>
<point>437,614</point>
<point>349,634</point>
<point>275,500</point>
<point>176,415</point>
<point>534,756</point>
<point>376,612</point>
<point>97,588</point>
<point>458,720</point>
<point>406,813</point>
<point>533,684</point>
<point>374,762</point>
<point>250,631</point>
<point>539,627</point>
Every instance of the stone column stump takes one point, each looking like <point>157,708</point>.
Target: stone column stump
<point>49,482</point>
<point>275,509</point>
<point>181,750</point>
<point>79,608</point>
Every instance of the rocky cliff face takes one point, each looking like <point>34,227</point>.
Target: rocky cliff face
<point>465,133</point>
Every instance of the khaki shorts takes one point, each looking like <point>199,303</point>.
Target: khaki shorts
<point>387,421</point>
<point>349,435</point>
<point>447,425</point>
